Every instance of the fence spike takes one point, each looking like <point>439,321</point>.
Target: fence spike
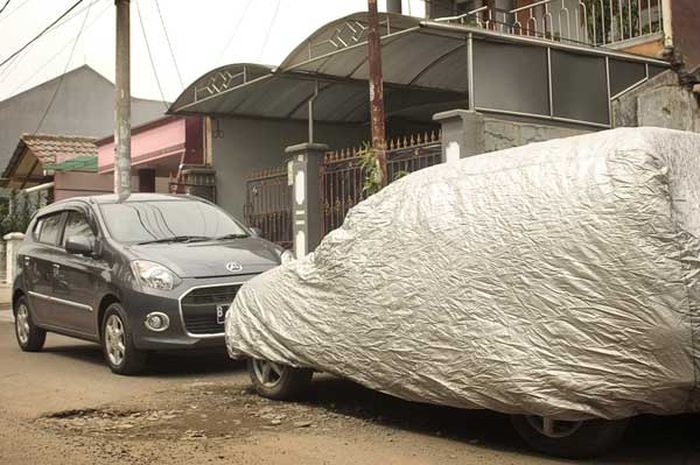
<point>412,140</point>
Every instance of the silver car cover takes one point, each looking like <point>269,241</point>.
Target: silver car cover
<point>558,278</point>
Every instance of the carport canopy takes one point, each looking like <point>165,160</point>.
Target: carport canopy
<point>428,66</point>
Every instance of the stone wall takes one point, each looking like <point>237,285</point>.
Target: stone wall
<point>502,133</point>
<point>663,101</point>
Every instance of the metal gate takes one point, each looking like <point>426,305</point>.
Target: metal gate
<point>268,205</point>
<point>342,177</point>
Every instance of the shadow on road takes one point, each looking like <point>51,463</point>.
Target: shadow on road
<point>649,440</point>
<point>162,365</point>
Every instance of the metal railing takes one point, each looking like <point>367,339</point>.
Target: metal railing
<point>268,205</point>
<point>591,22</point>
<point>342,176</point>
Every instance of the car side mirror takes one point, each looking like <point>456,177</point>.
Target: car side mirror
<point>79,245</point>
<point>257,232</point>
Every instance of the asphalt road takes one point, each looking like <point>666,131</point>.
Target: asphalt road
<point>64,406</point>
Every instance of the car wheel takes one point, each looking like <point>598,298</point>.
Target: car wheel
<point>276,381</point>
<point>118,347</point>
<point>30,338</point>
<point>570,439</point>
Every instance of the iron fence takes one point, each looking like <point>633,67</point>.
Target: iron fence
<point>342,176</point>
<point>268,205</point>
<point>590,22</point>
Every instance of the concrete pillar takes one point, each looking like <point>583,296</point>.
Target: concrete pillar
<point>12,243</point>
<point>462,134</point>
<point>304,162</point>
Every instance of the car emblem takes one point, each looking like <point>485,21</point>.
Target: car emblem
<point>234,266</point>
<point>221,314</point>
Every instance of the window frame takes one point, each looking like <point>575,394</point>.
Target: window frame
<point>40,223</point>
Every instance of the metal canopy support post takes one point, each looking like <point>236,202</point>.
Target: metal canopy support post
<point>470,71</point>
<point>311,112</point>
<point>607,84</point>
<point>550,93</point>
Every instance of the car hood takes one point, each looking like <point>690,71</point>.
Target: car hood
<point>209,259</point>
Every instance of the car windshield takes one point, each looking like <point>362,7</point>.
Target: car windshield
<point>168,221</point>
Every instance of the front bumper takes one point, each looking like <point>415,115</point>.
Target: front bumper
<point>178,335</point>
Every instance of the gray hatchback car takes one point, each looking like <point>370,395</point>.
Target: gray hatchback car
<point>154,272</point>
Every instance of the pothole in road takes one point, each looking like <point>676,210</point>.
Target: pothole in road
<point>199,412</point>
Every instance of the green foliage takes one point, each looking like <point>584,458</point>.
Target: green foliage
<point>16,214</point>
<point>370,167</point>
<point>601,21</point>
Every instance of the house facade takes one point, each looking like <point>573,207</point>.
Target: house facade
<point>477,84</point>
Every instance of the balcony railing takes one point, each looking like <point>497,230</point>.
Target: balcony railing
<point>590,22</point>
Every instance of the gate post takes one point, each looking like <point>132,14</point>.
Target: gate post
<point>462,134</point>
<point>303,165</point>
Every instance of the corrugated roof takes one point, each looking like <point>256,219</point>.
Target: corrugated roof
<point>82,163</point>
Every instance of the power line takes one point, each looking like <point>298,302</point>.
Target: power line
<point>269,28</point>
<point>65,69</point>
<point>18,59</point>
<point>4,6</point>
<point>235,31</point>
<point>43,66</point>
<point>46,29</point>
<point>170,46</point>
<point>150,56</point>
<point>11,12</point>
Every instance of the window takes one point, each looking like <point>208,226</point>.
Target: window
<point>49,228</point>
<point>77,225</point>
<point>160,220</point>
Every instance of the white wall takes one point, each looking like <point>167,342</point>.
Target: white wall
<point>254,144</point>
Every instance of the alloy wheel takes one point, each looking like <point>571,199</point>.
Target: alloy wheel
<point>551,428</point>
<point>22,323</point>
<point>269,374</point>
<point>115,341</point>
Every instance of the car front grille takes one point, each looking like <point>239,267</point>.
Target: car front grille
<point>199,308</point>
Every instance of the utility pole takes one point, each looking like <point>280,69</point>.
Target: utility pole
<point>376,90</point>
<point>122,104</point>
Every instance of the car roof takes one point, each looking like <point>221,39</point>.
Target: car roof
<point>107,199</point>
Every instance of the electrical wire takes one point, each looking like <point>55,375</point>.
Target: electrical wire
<point>44,31</point>
<point>5,72</point>
<point>269,28</point>
<point>4,6</point>
<point>235,31</point>
<point>150,55</point>
<point>170,46</point>
<point>56,55</point>
<point>65,69</point>
<point>11,12</point>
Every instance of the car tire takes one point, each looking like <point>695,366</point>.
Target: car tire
<point>30,337</point>
<point>276,381</point>
<point>117,341</point>
<point>569,439</point>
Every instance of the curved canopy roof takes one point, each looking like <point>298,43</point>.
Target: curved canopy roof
<point>425,66</point>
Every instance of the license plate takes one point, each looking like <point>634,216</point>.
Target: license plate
<point>221,313</point>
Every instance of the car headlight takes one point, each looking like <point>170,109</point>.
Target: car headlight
<point>154,275</point>
<point>286,256</point>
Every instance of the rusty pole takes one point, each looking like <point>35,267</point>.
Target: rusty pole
<point>376,90</point>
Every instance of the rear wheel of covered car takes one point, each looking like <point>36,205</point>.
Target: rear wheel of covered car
<point>118,347</point>
<point>276,381</point>
<point>30,338</point>
<point>570,439</point>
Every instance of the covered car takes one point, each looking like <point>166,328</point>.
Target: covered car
<point>556,281</point>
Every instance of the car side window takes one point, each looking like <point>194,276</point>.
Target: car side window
<point>49,228</point>
<point>77,225</point>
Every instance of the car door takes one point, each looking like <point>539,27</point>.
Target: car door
<point>76,276</point>
<point>38,264</point>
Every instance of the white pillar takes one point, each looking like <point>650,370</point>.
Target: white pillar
<point>12,244</point>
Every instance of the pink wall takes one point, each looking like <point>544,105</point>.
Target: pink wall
<point>75,183</point>
<point>151,142</point>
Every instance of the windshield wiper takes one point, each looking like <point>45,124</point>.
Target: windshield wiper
<point>230,236</point>
<point>185,239</point>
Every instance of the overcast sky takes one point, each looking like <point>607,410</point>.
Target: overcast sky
<point>204,34</point>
